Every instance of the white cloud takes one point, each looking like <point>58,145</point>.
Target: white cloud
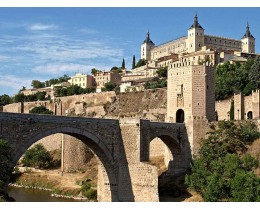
<point>14,82</point>
<point>41,27</point>
<point>3,58</point>
<point>60,69</point>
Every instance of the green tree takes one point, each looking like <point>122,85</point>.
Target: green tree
<point>123,64</point>
<point>140,63</point>
<point>236,78</point>
<point>109,86</point>
<point>245,187</point>
<point>220,173</point>
<point>40,110</point>
<point>254,73</point>
<point>37,157</point>
<point>5,99</point>
<point>133,62</point>
<point>5,162</point>
<point>162,72</point>
<point>159,83</point>
<point>232,111</point>
<point>20,97</point>
<point>94,71</point>
<point>116,69</point>
<point>37,84</point>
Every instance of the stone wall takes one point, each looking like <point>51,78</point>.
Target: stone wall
<point>52,142</point>
<point>223,109</point>
<point>242,106</point>
<point>148,104</point>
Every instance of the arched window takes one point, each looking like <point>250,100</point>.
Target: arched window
<point>250,115</point>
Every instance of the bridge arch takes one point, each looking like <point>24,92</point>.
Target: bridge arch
<point>94,142</point>
<point>167,158</point>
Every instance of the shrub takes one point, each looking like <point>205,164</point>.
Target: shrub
<point>37,157</point>
<point>5,162</point>
<point>87,191</point>
<point>40,110</point>
<point>220,173</point>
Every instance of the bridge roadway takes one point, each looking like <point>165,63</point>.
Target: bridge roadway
<point>122,147</point>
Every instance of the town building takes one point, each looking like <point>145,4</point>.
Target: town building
<point>82,80</point>
<point>103,77</point>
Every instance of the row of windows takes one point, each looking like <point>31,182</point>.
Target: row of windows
<point>102,78</point>
<point>79,84</point>
<point>191,34</point>
<point>250,43</point>
<point>79,79</point>
<point>223,42</point>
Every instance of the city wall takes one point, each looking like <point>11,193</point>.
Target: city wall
<point>244,106</point>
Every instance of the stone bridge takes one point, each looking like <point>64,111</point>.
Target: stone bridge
<point>122,147</point>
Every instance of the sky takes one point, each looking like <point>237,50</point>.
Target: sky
<point>43,43</point>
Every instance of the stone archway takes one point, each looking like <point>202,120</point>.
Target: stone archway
<point>180,116</point>
<point>108,190</point>
<point>250,115</point>
<point>170,156</point>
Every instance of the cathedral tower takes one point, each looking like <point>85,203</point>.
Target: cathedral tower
<point>248,41</point>
<point>146,47</point>
<point>195,36</point>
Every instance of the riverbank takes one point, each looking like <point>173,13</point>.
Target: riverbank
<point>64,185</point>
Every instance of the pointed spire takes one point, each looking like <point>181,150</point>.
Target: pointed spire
<point>147,39</point>
<point>248,33</point>
<point>196,18</point>
<point>148,33</point>
<point>196,22</point>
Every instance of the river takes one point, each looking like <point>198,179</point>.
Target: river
<point>21,194</point>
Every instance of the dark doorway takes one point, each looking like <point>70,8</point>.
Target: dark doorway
<point>180,116</point>
<point>250,115</point>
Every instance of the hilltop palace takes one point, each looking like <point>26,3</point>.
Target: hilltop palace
<point>193,49</point>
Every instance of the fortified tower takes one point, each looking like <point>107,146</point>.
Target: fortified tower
<point>248,41</point>
<point>195,36</point>
<point>146,47</point>
<point>191,96</point>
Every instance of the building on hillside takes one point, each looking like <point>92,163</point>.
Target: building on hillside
<point>82,80</point>
<point>103,77</point>
<point>134,85</point>
<point>194,41</point>
<point>48,90</point>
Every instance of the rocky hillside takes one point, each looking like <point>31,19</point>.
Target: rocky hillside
<point>149,104</point>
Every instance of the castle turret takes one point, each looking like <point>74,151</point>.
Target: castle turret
<point>146,47</point>
<point>248,41</point>
<point>195,36</point>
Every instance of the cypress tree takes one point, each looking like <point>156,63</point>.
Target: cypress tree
<point>123,64</point>
<point>133,63</point>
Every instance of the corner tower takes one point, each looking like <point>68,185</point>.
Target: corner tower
<point>146,47</point>
<point>248,41</point>
<point>195,36</point>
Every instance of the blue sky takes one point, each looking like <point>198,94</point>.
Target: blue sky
<point>44,43</point>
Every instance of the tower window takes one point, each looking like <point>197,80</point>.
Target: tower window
<point>197,33</point>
